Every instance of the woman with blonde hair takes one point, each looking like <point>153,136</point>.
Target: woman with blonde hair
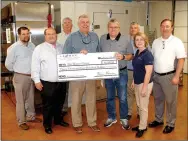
<point>142,80</point>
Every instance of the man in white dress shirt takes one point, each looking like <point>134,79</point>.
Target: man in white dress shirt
<point>45,75</point>
<point>61,38</point>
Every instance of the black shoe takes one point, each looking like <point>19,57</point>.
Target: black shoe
<point>168,129</point>
<point>155,124</point>
<point>137,128</point>
<point>48,130</point>
<point>129,117</point>
<point>64,113</point>
<point>140,133</point>
<point>62,123</point>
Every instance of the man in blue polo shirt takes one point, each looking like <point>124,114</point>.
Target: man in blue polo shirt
<point>115,42</point>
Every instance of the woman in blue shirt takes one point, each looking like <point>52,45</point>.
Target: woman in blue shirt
<point>142,80</point>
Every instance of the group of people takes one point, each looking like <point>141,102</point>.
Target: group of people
<point>150,69</point>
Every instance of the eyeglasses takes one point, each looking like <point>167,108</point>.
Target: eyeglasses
<point>116,27</point>
<point>86,40</point>
<point>163,44</point>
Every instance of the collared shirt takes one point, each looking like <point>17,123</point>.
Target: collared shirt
<point>77,41</point>
<point>139,63</point>
<point>19,57</point>
<point>44,62</point>
<point>121,44</point>
<point>129,63</point>
<point>166,52</point>
<point>62,37</point>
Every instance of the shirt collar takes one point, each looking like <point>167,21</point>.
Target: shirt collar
<point>169,38</point>
<point>83,34</point>
<point>66,34</point>
<point>117,37</point>
<point>143,51</point>
<point>52,44</point>
<point>22,44</point>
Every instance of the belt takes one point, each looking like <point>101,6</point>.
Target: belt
<point>123,68</point>
<point>23,74</point>
<point>170,72</point>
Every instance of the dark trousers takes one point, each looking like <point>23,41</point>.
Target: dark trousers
<point>65,91</point>
<point>52,100</point>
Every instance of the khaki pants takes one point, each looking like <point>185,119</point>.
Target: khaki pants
<point>130,94</point>
<point>142,103</point>
<point>77,89</point>
<point>24,92</point>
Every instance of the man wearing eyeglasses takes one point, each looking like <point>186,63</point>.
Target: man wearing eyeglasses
<point>114,41</point>
<point>18,60</point>
<point>61,38</point>
<point>83,41</point>
<point>169,56</point>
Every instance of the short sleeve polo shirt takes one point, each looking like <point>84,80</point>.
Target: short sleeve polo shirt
<point>139,62</point>
<point>166,52</point>
<point>121,44</point>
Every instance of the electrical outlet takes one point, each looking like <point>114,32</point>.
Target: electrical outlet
<point>126,11</point>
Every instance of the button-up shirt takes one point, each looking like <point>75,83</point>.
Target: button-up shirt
<point>62,37</point>
<point>44,62</point>
<point>121,44</point>
<point>166,52</point>
<point>19,57</point>
<point>77,41</point>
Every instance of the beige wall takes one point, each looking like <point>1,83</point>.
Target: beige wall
<point>136,10</point>
<point>162,10</point>
<point>158,12</point>
<point>181,26</point>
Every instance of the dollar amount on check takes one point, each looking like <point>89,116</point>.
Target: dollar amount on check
<point>90,66</point>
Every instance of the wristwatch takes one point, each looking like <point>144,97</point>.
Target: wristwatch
<point>123,57</point>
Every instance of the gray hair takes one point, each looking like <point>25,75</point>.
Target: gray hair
<point>66,18</point>
<point>114,21</point>
<point>135,23</point>
<point>82,16</point>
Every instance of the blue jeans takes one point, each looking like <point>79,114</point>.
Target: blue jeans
<point>120,85</point>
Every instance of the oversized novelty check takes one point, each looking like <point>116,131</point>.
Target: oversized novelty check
<point>90,66</point>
